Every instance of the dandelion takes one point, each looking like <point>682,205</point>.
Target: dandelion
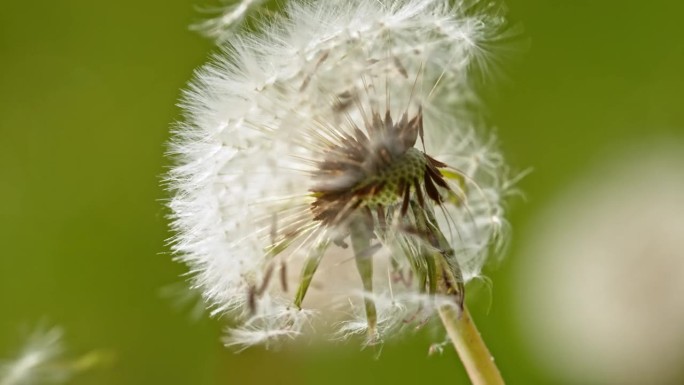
<point>329,170</point>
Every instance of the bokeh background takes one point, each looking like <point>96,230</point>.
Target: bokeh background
<point>88,92</point>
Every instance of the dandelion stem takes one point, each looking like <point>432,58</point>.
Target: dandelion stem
<point>477,360</point>
<point>443,268</point>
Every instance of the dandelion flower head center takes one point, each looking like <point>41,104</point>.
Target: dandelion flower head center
<point>386,184</point>
<point>376,169</point>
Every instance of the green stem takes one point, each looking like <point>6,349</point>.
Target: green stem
<point>477,360</point>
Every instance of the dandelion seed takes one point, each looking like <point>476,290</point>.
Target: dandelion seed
<point>38,362</point>
<point>185,298</point>
<point>332,154</point>
<point>222,27</point>
<point>42,360</point>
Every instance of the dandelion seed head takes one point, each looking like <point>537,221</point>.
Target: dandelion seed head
<point>334,141</point>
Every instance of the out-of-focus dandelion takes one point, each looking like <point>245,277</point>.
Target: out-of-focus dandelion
<point>603,287</point>
<point>37,361</point>
<point>337,138</point>
<point>42,360</point>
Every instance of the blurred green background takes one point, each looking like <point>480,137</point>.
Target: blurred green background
<point>87,94</point>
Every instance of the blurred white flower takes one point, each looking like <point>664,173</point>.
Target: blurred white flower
<point>37,363</point>
<point>332,145</point>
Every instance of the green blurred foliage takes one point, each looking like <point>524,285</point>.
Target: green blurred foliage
<point>88,92</point>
